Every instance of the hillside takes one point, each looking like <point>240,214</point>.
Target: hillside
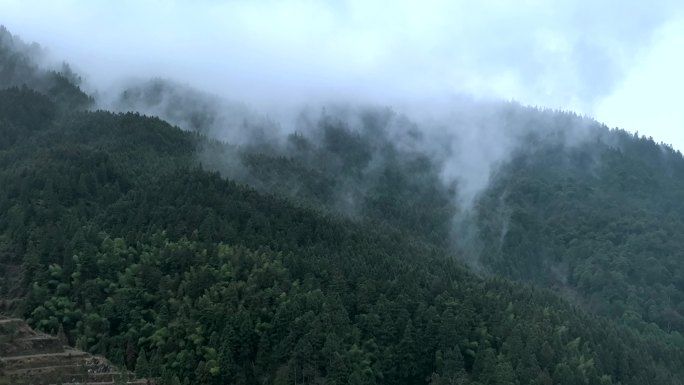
<point>597,218</point>
<point>603,222</point>
<point>31,358</point>
<point>207,276</point>
<point>331,257</point>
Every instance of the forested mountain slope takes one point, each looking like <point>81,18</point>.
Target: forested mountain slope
<point>600,219</point>
<point>125,237</point>
<point>603,222</point>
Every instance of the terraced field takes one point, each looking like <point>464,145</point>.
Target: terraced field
<point>30,358</point>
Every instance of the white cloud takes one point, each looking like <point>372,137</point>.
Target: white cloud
<point>567,54</point>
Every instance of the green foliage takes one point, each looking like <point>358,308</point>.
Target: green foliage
<point>359,172</point>
<point>138,254</point>
<point>142,366</point>
<point>598,222</point>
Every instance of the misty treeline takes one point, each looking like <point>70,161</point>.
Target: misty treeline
<point>333,254</point>
<point>20,66</point>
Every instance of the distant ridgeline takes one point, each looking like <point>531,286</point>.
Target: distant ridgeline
<point>328,263</point>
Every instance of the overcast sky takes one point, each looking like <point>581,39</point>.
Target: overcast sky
<point>619,61</point>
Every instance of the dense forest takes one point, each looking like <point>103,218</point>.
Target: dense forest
<point>338,255</point>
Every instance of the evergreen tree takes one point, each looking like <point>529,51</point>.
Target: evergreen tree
<point>142,368</point>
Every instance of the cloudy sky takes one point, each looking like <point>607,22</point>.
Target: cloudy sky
<point>619,61</point>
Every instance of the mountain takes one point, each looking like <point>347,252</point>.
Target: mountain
<point>343,252</point>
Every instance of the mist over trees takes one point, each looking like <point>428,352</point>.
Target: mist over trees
<point>20,66</point>
<point>357,245</point>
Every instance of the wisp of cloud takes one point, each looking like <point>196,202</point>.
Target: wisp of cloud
<point>565,54</point>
